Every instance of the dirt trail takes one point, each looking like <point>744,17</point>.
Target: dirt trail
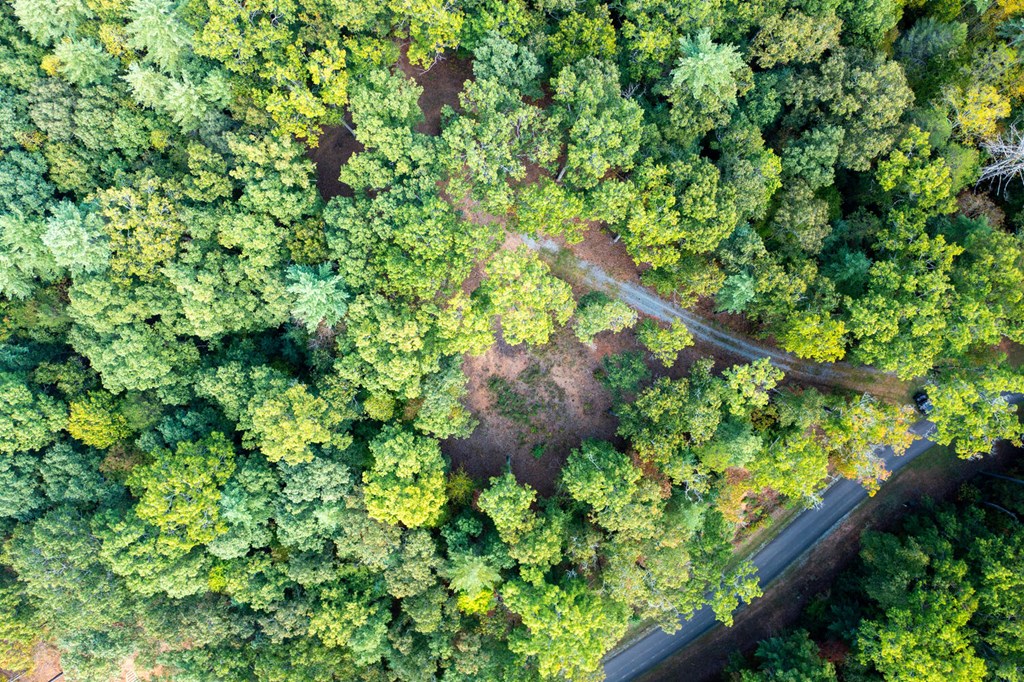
<point>862,379</point>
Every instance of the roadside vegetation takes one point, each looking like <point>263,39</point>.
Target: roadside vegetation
<point>937,600</point>
<point>228,398</point>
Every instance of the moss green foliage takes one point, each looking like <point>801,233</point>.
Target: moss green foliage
<point>596,313</point>
<point>664,343</point>
<point>623,373</point>
<point>227,399</point>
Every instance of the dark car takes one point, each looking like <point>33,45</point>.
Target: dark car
<point>923,402</point>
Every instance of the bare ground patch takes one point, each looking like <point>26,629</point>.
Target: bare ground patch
<point>335,147</point>
<point>535,405</point>
<point>45,662</point>
<point>441,85</point>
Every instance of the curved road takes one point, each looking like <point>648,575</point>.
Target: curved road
<point>811,525</point>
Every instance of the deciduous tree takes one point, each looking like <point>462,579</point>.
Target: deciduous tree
<point>405,483</point>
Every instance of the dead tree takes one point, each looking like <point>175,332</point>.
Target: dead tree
<point>1006,153</point>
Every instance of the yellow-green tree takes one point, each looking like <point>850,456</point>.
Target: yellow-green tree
<point>405,482</point>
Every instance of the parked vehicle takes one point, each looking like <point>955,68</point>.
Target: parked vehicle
<point>923,402</point>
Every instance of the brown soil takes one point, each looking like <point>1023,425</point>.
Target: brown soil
<point>441,85</point>
<point>784,601</point>
<point>599,247</point>
<point>335,147</point>
<point>568,404</point>
<point>46,660</point>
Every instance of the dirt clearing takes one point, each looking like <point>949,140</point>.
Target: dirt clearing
<point>335,148</point>
<point>535,405</point>
<point>441,85</point>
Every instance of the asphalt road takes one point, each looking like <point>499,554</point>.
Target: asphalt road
<point>809,527</point>
<point>800,535</point>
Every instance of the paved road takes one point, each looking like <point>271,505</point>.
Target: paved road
<point>809,527</point>
<point>774,558</point>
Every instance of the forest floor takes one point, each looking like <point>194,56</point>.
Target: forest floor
<point>937,474</point>
<point>46,660</point>
<point>535,405</point>
<point>441,85</point>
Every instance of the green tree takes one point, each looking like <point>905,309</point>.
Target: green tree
<point>156,29</point>
<point>596,313</point>
<point>275,176</point>
<point>388,348</point>
<point>499,59</point>
<point>474,579</point>
<point>751,385</point>
<point>670,419</point>
<point>548,207</point>
<point>794,38</point>
<point>869,23</point>
<point>352,614</point>
<point>922,633</point>
<point>815,336</point>
<point>666,211</point>
<point>405,483</point>
<point>385,123</point>
<point>284,423</point>
<point>46,24</point>
<point>583,35</point>
<point>603,127</point>
<point>57,558</point>
<point>76,239</point>
<point>622,501</point>
<point>508,505</point>
<point>19,631</point>
<point>83,62</point>
<point>971,412</point>
<point>24,257</point>
<point>622,373</point>
<point>529,299</point>
<point>29,419</point>
<point>566,630</point>
<point>287,57</point>
<point>180,491</point>
<point>442,412</point>
<point>489,144</point>
<point>431,25</point>
<point>318,295</point>
<point>97,421</point>
<point>145,226</point>
<point>790,658</point>
<point>876,89</point>
<point>705,84</point>
<point>664,344</point>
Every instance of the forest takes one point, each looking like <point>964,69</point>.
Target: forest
<point>229,397</point>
